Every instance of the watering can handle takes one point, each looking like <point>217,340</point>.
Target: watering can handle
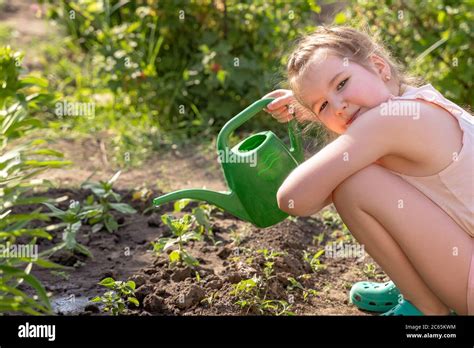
<point>245,115</point>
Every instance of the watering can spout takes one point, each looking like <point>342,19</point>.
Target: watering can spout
<point>225,200</point>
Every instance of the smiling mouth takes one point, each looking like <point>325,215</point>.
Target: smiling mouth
<point>356,114</point>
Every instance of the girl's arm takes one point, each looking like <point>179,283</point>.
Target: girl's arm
<point>309,187</point>
<point>326,202</point>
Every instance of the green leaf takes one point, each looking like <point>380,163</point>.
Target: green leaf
<point>108,282</point>
<point>133,300</point>
<point>49,164</point>
<point>166,220</point>
<point>56,211</point>
<point>48,264</point>
<point>37,232</point>
<point>189,259</point>
<point>33,81</point>
<point>124,208</point>
<point>180,205</point>
<point>30,279</point>
<point>83,250</point>
<point>48,152</point>
<point>110,224</point>
<point>201,217</point>
<point>97,228</point>
<point>174,256</point>
<point>131,284</point>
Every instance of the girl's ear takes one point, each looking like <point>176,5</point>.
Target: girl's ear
<point>380,66</point>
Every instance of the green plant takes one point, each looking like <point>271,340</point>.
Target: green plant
<point>331,219</point>
<point>124,56</point>
<point>181,230</point>
<point>211,298</point>
<point>269,257</point>
<point>236,237</point>
<point>99,212</point>
<point>318,239</point>
<point>294,284</point>
<point>370,270</point>
<point>251,294</point>
<point>314,261</point>
<point>61,274</point>
<point>72,222</point>
<point>202,217</point>
<point>342,235</point>
<point>121,294</point>
<point>21,99</point>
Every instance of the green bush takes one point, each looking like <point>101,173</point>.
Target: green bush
<point>187,66</point>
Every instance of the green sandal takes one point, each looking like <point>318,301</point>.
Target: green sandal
<point>403,308</point>
<point>374,297</point>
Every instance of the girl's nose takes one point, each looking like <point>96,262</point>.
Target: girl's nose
<point>340,108</point>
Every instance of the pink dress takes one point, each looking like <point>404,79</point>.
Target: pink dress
<point>452,189</point>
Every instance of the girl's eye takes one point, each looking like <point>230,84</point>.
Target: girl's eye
<point>323,106</point>
<point>339,86</point>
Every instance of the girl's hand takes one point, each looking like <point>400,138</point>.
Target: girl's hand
<point>285,107</point>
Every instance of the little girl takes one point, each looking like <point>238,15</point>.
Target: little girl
<point>399,173</point>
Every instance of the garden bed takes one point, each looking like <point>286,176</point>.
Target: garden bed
<point>243,270</point>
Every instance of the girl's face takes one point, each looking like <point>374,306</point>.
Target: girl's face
<point>338,90</point>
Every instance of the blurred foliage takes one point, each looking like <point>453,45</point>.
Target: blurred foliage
<point>433,39</point>
<point>21,97</point>
<point>165,72</point>
<point>189,66</point>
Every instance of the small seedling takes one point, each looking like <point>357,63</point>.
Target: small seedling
<point>72,222</point>
<point>370,270</point>
<point>236,237</point>
<point>270,255</point>
<point>180,228</point>
<point>61,274</point>
<point>331,220</point>
<point>103,201</point>
<point>202,218</point>
<point>251,294</point>
<point>294,284</point>
<point>318,239</point>
<point>211,298</point>
<point>314,261</point>
<point>278,307</point>
<point>121,294</point>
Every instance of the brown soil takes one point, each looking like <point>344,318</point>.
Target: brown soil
<point>165,289</point>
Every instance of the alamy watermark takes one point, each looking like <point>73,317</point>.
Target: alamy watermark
<point>341,251</point>
<point>227,156</point>
<point>394,108</point>
<point>66,108</point>
<point>19,251</point>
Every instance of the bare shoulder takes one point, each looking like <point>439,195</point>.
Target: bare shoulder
<point>415,130</point>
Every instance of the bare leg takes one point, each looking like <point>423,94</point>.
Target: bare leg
<point>416,243</point>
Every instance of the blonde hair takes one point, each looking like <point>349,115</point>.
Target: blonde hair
<point>347,43</point>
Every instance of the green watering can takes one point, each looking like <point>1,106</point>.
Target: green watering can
<point>254,170</point>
